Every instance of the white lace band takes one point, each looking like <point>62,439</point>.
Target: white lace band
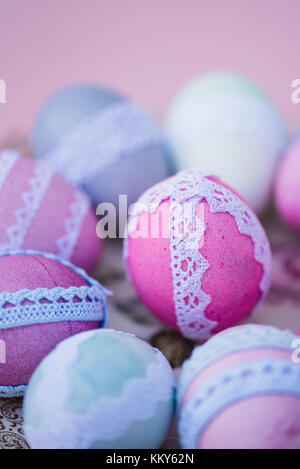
<point>43,305</point>
<point>32,200</point>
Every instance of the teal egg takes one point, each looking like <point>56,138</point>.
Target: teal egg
<point>100,390</point>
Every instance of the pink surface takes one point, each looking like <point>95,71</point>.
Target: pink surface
<point>145,49</point>
<point>261,422</point>
<point>27,346</point>
<point>11,195</point>
<point>89,247</point>
<point>287,186</point>
<point>232,279</point>
<point>48,224</point>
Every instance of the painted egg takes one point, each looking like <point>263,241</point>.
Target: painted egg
<point>100,389</point>
<point>43,300</point>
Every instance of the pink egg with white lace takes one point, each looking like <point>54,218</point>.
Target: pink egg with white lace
<point>43,300</point>
<point>197,255</point>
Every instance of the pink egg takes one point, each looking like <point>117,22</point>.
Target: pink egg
<point>241,390</point>
<point>39,210</point>
<point>197,280</point>
<point>43,300</point>
<point>287,186</point>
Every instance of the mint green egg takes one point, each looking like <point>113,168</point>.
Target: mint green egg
<point>216,82</point>
<point>100,389</point>
<point>225,124</point>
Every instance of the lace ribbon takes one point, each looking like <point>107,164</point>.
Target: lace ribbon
<point>12,391</point>
<point>32,199</point>
<point>248,337</point>
<point>104,409</point>
<point>57,304</point>
<point>99,141</point>
<point>79,208</point>
<point>185,191</point>
<point>43,305</point>
<point>247,380</point>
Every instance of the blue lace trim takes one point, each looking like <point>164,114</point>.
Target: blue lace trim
<point>234,340</point>
<point>247,380</point>
<point>42,305</point>
<point>13,391</point>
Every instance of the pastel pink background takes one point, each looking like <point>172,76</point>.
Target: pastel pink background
<point>145,48</point>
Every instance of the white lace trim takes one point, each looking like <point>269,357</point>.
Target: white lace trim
<point>32,199</point>
<point>185,191</point>
<point>115,415</point>
<point>13,391</point>
<point>8,159</point>
<point>58,310</point>
<point>79,208</point>
<point>99,141</point>
<point>44,305</point>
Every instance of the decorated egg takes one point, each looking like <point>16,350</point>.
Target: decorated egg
<point>101,141</point>
<point>241,390</point>
<point>100,389</point>
<point>196,254</point>
<point>222,122</point>
<point>43,300</point>
<point>39,210</point>
<point>287,187</point>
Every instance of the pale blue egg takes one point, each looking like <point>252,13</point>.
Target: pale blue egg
<point>103,142</point>
<point>97,390</point>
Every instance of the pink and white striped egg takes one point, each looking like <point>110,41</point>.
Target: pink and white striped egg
<point>241,390</point>
<point>39,210</point>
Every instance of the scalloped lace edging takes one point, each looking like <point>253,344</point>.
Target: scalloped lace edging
<point>44,305</point>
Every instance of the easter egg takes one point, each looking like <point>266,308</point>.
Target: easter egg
<point>43,300</point>
<point>287,187</point>
<point>39,210</point>
<point>223,123</point>
<point>196,254</point>
<point>101,141</point>
<point>241,390</point>
<point>100,389</point>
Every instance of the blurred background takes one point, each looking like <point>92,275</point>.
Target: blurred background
<point>145,49</point>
